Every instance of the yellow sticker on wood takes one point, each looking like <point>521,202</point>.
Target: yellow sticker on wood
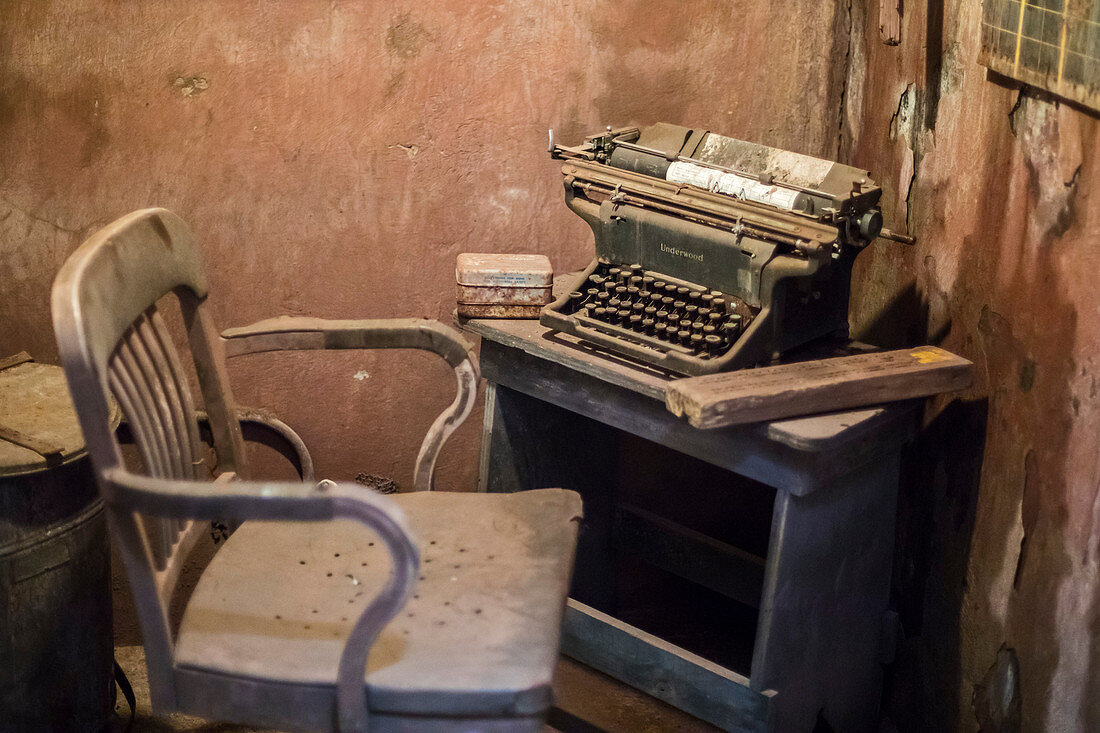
<point>929,356</point>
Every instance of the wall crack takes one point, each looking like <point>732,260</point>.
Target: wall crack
<point>844,84</point>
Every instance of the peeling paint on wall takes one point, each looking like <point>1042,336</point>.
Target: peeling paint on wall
<point>996,195</point>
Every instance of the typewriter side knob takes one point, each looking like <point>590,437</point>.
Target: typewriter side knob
<point>870,224</point>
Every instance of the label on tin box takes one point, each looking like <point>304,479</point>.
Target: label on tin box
<point>504,270</point>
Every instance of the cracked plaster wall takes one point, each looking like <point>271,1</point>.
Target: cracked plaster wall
<point>1000,526</point>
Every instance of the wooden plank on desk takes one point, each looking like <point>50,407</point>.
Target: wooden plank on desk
<point>810,387</point>
<point>648,663</point>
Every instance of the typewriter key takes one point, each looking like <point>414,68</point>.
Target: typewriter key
<point>678,306</point>
<point>600,312</point>
<point>718,304</point>
<point>651,311</point>
<point>644,294</point>
<point>638,307</point>
<point>704,311</point>
<point>697,340</point>
<point>693,297</point>
<point>691,310</point>
<point>614,272</point>
<point>648,324</point>
<point>636,280</point>
<point>624,313</point>
<point>632,291</point>
<point>715,318</point>
<point>709,329</point>
<point>685,337</point>
<point>603,297</point>
<point>575,297</point>
<point>647,282</point>
<point>707,299</point>
<point>635,321</point>
<point>685,324</point>
<point>590,308</point>
<point>713,342</point>
<point>620,290</point>
<point>658,286</point>
<point>660,328</point>
<point>614,303</point>
<point>670,289</point>
<point>683,292</point>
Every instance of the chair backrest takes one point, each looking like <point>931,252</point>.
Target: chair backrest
<point>113,340</point>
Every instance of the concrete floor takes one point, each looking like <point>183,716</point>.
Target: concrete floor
<point>586,700</point>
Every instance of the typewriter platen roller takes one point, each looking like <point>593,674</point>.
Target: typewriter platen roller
<point>711,253</point>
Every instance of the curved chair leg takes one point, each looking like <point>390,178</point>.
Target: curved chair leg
<point>262,427</point>
<point>258,426</point>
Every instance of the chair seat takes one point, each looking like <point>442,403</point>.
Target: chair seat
<point>479,638</point>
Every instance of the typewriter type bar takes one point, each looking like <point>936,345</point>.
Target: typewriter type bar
<point>684,219</point>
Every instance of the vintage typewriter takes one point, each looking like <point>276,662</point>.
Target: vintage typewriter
<point>711,253</point>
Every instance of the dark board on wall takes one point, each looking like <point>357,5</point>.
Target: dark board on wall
<point>1053,44</point>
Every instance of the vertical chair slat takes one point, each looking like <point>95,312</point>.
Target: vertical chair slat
<point>144,404</point>
<point>137,363</point>
<point>153,358</point>
<point>187,428</point>
<point>126,393</point>
<point>162,411</point>
<point>190,432</point>
<point>130,371</point>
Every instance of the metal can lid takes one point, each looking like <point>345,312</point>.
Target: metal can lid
<point>38,424</point>
<point>504,270</point>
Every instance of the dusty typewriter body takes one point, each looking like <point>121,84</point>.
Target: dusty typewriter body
<point>711,253</point>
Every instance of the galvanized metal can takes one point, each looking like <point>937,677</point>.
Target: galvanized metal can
<point>56,644</point>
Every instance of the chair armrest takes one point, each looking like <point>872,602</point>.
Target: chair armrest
<point>241,500</point>
<point>300,333</point>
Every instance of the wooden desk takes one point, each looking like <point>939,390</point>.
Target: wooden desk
<point>554,408</point>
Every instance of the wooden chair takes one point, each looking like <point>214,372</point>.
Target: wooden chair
<point>331,606</point>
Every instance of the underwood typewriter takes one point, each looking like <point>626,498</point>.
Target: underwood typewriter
<point>711,253</point>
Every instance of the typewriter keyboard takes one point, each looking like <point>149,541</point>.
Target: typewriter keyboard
<point>658,311</point>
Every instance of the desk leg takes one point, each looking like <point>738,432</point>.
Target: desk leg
<point>826,591</point>
<point>530,444</point>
